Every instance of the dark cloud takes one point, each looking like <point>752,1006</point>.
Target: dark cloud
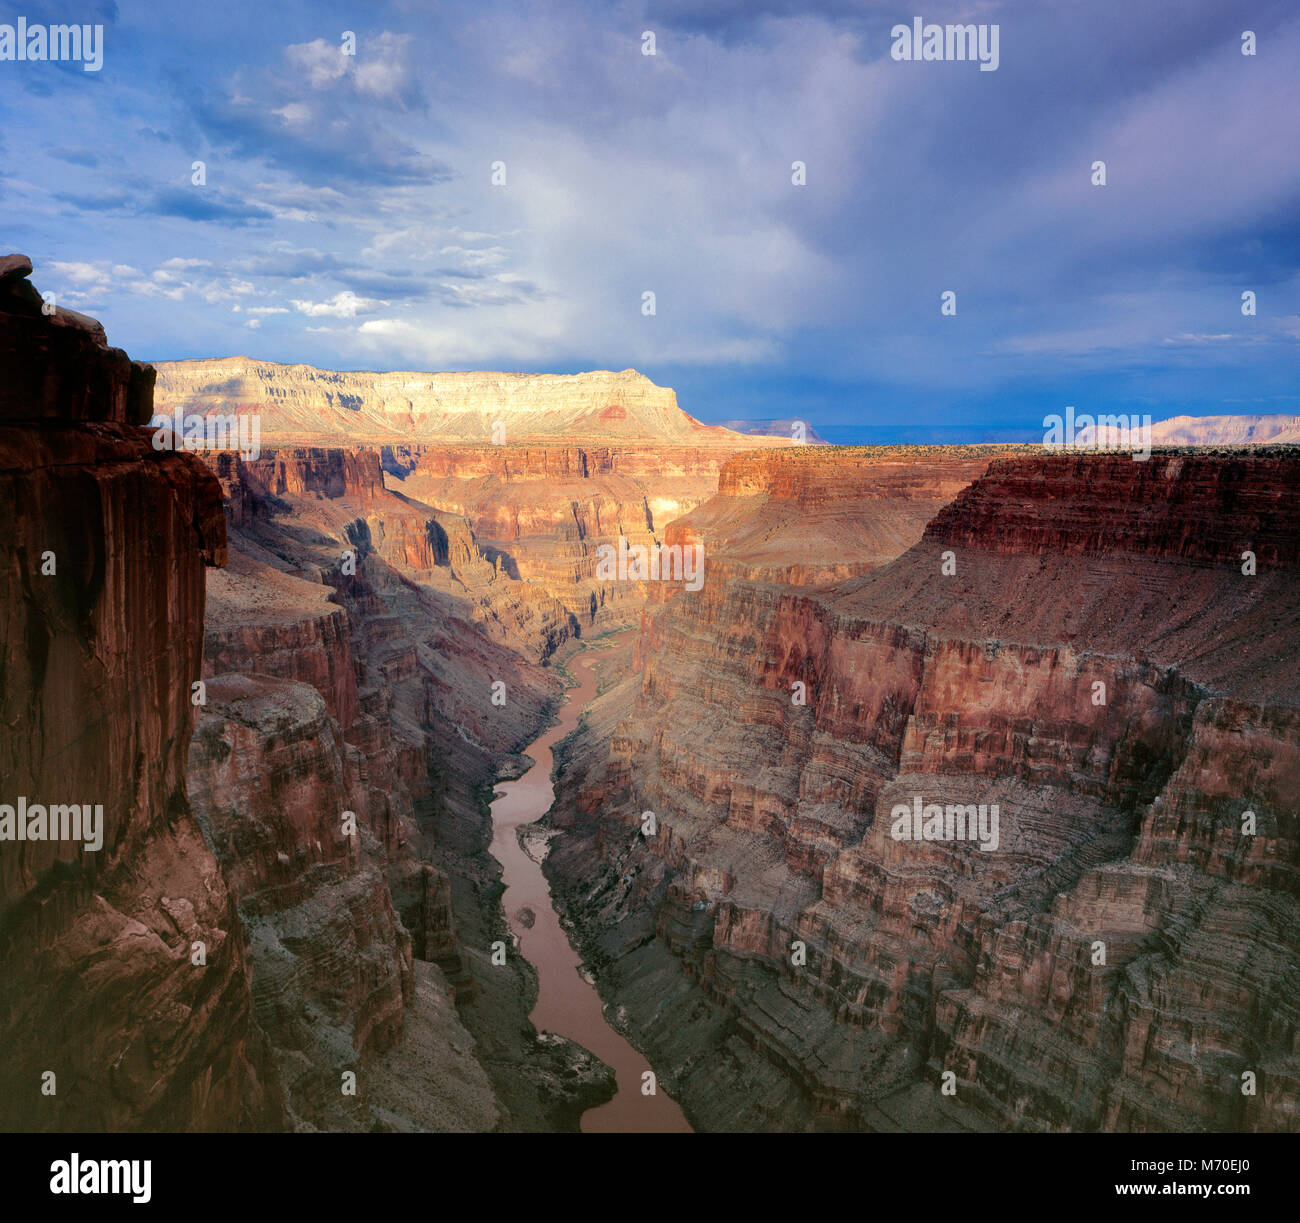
<point>113,201</point>
<point>203,204</point>
<point>341,152</point>
<point>77,156</point>
<point>393,286</point>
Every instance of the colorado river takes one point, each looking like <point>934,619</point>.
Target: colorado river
<point>566,1003</point>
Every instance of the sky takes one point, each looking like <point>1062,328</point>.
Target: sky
<point>348,216</point>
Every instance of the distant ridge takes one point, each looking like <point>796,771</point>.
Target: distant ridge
<point>1222,430</point>
<point>303,404</point>
<point>1226,430</point>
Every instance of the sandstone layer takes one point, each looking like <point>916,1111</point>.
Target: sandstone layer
<point>544,513</point>
<point>545,468</point>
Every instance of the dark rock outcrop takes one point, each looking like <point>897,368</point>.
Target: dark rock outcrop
<point>124,993</point>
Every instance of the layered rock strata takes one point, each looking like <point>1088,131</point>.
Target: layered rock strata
<point>1080,640</point>
<point>548,514</point>
<point>299,404</point>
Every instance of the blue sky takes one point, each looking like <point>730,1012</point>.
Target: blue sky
<point>349,219</point>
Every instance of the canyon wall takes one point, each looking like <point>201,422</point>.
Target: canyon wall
<point>289,920</point>
<point>545,468</point>
<point>124,1000</point>
<point>544,513</point>
<point>1080,640</point>
<point>340,767</point>
<point>811,515</point>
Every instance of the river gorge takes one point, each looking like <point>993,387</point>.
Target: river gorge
<point>567,1003</point>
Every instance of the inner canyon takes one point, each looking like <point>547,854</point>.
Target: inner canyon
<point>415,820</point>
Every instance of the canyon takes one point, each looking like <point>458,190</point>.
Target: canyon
<point>544,468</point>
<point>291,923</point>
<point>318,692</point>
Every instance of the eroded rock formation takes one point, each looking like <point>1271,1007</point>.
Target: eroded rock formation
<point>353,644</point>
<point>292,885</point>
<point>544,513</point>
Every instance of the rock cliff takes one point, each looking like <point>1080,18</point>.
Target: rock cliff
<point>290,883</point>
<point>1076,639</point>
<point>124,999</point>
<point>543,513</point>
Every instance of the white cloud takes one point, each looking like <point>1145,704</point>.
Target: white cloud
<point>80,273</point>
<point>383,67</point>
<point>321,62</point>
<point>342,305</point>
<point>293,112</point>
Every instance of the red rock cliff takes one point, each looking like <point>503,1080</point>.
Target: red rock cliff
<point>124,993</point>
<point>351,646</point>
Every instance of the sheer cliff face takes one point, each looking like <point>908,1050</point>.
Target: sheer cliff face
<point>124,1001</point>
<point>1072,639</point>
<point>545,468</point>
<point>808,516</point>
<point>264,906</point>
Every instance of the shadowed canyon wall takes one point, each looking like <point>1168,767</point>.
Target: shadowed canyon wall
<point>353,643</point>
<point>294,766</point>
<point>104,557</point>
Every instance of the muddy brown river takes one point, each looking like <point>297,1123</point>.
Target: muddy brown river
<point>566,1003</point>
